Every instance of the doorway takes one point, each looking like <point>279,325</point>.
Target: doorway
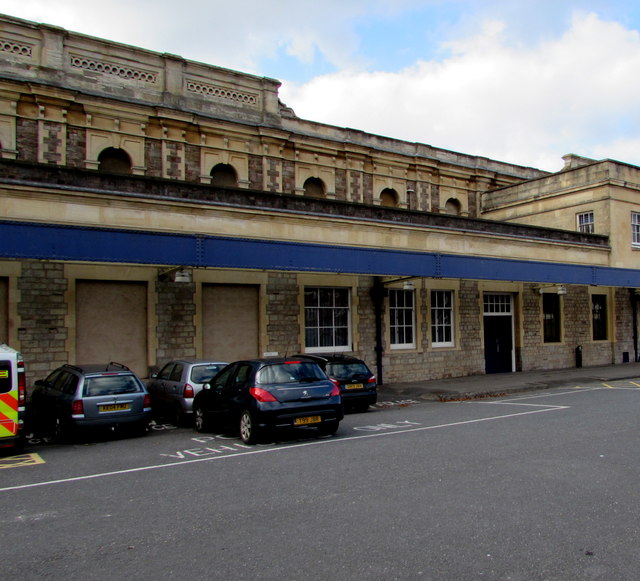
<point>498,333</point>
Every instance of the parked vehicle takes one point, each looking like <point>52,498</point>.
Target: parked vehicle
<point>358,385</point>
<point>12,398</point>
<point>262,395</point>
<point>173,388</point>
<point>90,396</point>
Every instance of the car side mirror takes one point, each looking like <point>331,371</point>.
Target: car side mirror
<point>206,386</point>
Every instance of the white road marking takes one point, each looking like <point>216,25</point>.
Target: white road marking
<point>279,449</point>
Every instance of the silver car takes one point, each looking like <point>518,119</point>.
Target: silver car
<point>172,389</point>
<point>76,397</point>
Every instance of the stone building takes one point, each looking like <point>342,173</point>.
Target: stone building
<point>154,207</point>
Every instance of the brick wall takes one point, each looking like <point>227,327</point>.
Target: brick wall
<point>256,173</point>
<point>192,164</point>
<point>153,158</point>
<point>76,146</point>
<point>288,176</point>
<point>42,311</point>
<point>27,139</point>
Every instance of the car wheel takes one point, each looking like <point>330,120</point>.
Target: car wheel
<point>249,432</point>
<point>62,430</point>
<point>328,429</point>
<point>200,421</point>
<point>177,417</point>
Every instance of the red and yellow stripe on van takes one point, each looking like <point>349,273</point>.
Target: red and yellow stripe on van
<point>9,414</point>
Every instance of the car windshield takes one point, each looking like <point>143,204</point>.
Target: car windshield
<point>290,373</point>
<point>347,370</point>
<point>204,373</point>
<point>111,385</point>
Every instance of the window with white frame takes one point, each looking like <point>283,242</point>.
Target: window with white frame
<point>586,222</point>
<point>402,318</point>
<point>327,319</point>
<point>442,318</point>
<point>635,228</point>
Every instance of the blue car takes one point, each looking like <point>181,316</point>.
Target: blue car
<point>259,396</point>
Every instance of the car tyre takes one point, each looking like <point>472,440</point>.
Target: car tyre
<point>200,421</point>
<point>62,430</point>
<point>249,431</point>
<point>328,429</point>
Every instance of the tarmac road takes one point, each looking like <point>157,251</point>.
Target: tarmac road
<point>534,486</point>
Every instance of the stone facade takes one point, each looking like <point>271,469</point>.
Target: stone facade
<point>172,121</point>
<point>42,310</point>
<point>175,311</point>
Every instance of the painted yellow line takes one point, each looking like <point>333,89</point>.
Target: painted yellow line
<point>634,383</point>
<point>609,386</point>
<point>21,460</point>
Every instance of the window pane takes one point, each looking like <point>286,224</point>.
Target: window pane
<point>327,317</point>
<point>401,318</point>
<point>442,318</point>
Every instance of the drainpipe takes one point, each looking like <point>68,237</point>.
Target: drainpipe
<point>377,293</point>
<point>634,309</point>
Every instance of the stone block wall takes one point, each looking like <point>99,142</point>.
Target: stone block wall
<point>42,312</point>
<point>282,312</point>
<point>176,329</point>
<point>466,358</point>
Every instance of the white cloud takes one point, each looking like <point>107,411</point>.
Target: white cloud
<point>527,105</point>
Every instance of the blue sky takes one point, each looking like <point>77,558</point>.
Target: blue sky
<point>522,81</point>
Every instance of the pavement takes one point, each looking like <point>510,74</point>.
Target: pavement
<point>500,384</point>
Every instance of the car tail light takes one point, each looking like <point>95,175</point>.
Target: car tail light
<point>261,394</point>
<point>335,382</point>
<point>147,400</point>
<point>77,408</point>
<point>335,391</point>
<point>188,391</point>
<point>22,383</point>
<point>372,379</point>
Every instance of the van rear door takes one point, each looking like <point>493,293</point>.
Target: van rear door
<point>12,396</point>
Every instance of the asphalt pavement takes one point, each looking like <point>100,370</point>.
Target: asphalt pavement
<point>498,384</point>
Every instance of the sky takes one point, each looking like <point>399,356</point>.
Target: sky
<point>519,81</point>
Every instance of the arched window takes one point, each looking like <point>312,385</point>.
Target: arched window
<point>223,175</point>
<point>113,160</point>
<point>314,187</point>
<point>389,197</point>
<point>452,206</point>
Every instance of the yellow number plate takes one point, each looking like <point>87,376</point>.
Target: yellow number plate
<point>354,386</point>
<point>114,407</point>
<point>307,420</point>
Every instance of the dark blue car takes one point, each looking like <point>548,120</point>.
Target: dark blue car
<point>259,396</point>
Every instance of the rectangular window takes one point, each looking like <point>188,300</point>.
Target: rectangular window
<point>402,318</point>
<point>635,228</point>
<point>442,318</point>
<point>586,223</point>
<point>327,319</point>
<point>551,317</point>
<point>599,317</point>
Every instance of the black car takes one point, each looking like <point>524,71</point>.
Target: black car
<point>358,386</point>
<point>90,396</point>
<point>261,395</point>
